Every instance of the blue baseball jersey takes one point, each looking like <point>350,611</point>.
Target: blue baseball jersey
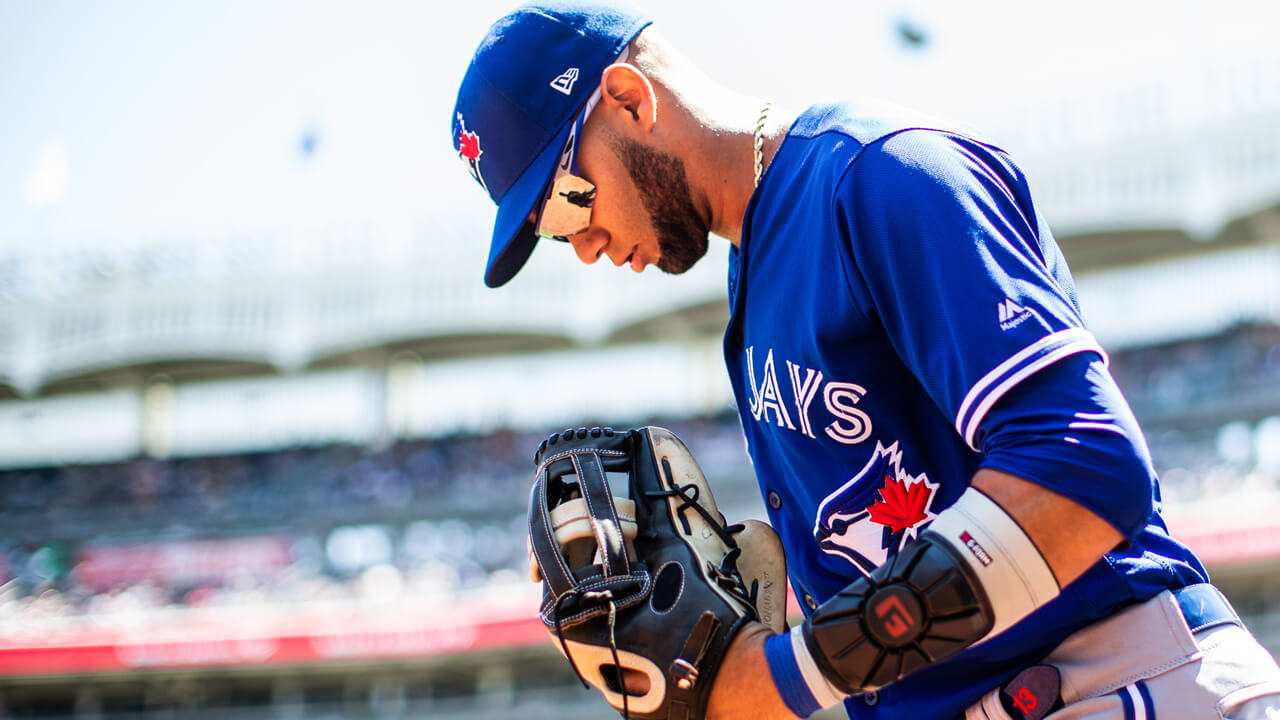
<point>900,318</point>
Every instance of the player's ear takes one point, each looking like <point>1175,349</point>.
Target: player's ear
<point>627,91</point>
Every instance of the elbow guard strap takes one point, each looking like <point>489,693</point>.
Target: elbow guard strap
<point>971,575</point>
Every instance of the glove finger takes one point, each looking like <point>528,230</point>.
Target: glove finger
<point>763,566</point>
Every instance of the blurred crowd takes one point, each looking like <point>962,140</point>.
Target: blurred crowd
<point>424,517</point>
<point>315,485</point>
<point>1229,369</point>
<point>434,516</point>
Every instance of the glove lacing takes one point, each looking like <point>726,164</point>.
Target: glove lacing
<point>726,574</point>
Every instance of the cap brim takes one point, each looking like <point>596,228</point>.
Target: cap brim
<point>514,236</point>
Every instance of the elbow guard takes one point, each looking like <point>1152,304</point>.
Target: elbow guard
<point>971,575</point>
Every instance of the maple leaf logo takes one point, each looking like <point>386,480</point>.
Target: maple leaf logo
<point>873,516</point>
<point>902,506</point>
<point>468,145</point>
<point>469,150</point>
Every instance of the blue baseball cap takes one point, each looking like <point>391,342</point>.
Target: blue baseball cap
<point>526,84</point>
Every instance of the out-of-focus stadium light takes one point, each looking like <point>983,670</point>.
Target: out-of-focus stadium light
<point>352,548</point>
<point>1235,442</point>
<point>1267,444</point>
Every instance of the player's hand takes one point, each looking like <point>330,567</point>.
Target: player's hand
<point>744,688</point>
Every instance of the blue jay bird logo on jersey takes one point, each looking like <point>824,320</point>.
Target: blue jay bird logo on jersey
<point>872,517</point>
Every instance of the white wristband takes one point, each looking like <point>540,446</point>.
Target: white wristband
<point>823,691</point>
<point>1012,572</point>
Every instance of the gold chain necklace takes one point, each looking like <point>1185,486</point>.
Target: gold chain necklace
<point>759,146</point>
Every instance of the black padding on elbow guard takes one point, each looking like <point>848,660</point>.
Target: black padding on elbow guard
<point>922,607</point>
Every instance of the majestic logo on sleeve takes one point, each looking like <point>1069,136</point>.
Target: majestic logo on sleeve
<point>1011,314</point>
<point>469,150</point>
<point>872,517</point>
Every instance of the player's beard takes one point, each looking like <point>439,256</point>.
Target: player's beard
<point>664,189</point>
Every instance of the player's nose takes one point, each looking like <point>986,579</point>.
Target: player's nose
<point>589,244</point>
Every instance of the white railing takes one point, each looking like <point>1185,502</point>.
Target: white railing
<point>69,320</point>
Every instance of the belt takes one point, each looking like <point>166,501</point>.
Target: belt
<point>1204,606</point>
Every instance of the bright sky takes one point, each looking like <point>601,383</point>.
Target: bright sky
<point>127,117</point>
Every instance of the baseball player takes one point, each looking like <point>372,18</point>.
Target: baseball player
<point>968,507</point>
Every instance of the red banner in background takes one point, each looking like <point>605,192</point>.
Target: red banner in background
<point>182,562</point>
<point>204,650</point>
<point>1251,533</point>
<point>494,618</point>
<point>278,635</point>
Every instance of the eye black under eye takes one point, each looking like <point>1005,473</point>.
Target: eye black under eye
<point>581,199</point>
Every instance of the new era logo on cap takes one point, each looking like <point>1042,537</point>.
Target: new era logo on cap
<point>565,80</point>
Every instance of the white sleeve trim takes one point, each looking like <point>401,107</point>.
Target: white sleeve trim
<point>1110,427</point>
<point>1026,362</point>
<point>824,692</point>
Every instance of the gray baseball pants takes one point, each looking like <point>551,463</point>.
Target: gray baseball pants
<point>1177,656</point>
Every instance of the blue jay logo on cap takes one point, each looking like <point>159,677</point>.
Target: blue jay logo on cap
<point>565,80</point>
<point>468,144</point>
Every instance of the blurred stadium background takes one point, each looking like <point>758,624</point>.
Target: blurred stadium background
<point>265,439</point>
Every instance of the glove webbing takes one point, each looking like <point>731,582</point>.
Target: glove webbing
<point>604,521</point>
<point>604,515</point>
<point>627,585</point>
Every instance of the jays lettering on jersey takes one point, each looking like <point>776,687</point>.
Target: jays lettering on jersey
<point>901,317</point>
